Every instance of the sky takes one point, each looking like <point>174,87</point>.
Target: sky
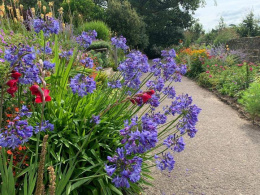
<point>233,12</point>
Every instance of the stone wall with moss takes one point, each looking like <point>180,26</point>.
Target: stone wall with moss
<point>250,45</point>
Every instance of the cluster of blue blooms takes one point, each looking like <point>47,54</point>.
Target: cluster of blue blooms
<point>22,59</point>
<point>119,43</point>
<point>87,62</point>
<point>133,67</point>
<point>86,38</point>
<point>82,85</point>
<point>125,169</point>
<point>141,136</point>
<point>18,131</point>
<point>48,26</point>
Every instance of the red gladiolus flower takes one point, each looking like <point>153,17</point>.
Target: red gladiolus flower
<point>15,75</point>
<point>13,86</point>
<point>142,98</point>
<point>46,92</point>
<point>35,89</point>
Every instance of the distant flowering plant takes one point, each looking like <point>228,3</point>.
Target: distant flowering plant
<point>48,25</point>
<point>119,42</point>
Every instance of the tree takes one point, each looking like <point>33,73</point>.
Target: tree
<point>124,20</point>
<point>249,27</point>
<point>166,19</point>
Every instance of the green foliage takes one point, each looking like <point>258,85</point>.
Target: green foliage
<point>99,45</point>
<point>251,99</point>
<point>206,81</point>
<point>78,11</point>
<point>124,20</point>
<point>249,27</point>
<point>99,26</point>
<point>225,35</point>
<point>165,20</point>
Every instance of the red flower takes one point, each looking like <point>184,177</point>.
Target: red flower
<point>15,75</point>
<point>142,98</point>
<point>13,86</point>
<point>35,89</point>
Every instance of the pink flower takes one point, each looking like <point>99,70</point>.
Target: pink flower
<point>207,71</point>
<point>210,76</point>
<point>251,69</point>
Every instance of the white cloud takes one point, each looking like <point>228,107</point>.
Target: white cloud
<point>233,12</point>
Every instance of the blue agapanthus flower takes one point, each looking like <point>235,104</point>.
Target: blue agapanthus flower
<point>48,26</point>
<point>82,85</point>
<point>119,42</point>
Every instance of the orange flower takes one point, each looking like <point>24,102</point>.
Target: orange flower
<point>9,152</point>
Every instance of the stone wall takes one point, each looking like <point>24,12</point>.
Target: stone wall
<point>250,45</point>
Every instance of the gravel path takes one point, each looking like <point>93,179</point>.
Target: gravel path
<point>223,158</point>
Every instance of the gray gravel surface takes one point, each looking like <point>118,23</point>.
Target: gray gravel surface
<point>223,158</point>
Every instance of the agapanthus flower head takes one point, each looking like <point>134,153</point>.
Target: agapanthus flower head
<point>115,84</point>
<point>123,169</point>
<point>45,126</point>
<point>86,38</point>
<point>165,162</point>
<point>48,65</point>
<point>66,54</point>
<point>82,85</point>
<point>96,119</point>
<point>87,62</point>
<point>48,26</point>
<point>119,42</point>
<point>133,67</point>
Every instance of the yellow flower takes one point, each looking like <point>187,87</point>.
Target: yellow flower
<point>49,15</point>
<point>63,26</point>
<point>21,6</point>
<point>33,11</point>
<point>2,10</point>
<point>42,16</point>
<point>21,19</point>
<point>51,4</point>
<point>39,3</point>
<point>60,10</point>
<point>44,9</point>
<point>15,20</point>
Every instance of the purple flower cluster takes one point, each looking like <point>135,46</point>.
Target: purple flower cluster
<point>86,38</point>
<point>22,60</point>
<point>48,65</point>
<point>170,92</point>
<point>95,119</point>
<point>189,121</point>
<point>115,84</point>
<point>119,42</point>
<point>46,125</point>
<point>177,143</point>
<point>82,85</point>
<point>124,169</point>
<point>87,62</point>
<point>169,70</point>
<point>133,67</point>
<point>48,26</point>
<point>66,54</point>
<point>19,131</point>
<point>166,162</point>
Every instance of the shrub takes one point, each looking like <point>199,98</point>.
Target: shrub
<point>78,11</point>
<point>251,99</point>
<point>100,27</point>
<point>225,35</point>
<point>123,20</point>
<point>99,45</point>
